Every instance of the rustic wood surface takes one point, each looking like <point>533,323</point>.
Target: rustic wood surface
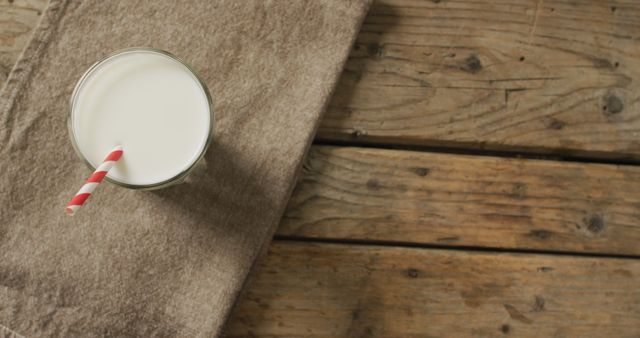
<point>445,199</point>
<point>551,76</point>
<point>541,76</point>
<point>323,290</point>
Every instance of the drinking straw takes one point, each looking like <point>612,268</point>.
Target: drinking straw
<point>92,182</point>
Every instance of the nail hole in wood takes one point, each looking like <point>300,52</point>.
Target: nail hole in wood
<point>413,273</point>
<point>473,64</point>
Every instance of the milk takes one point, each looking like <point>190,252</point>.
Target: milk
<point>150,104</point>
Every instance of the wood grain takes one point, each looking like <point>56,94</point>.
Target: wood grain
<point>444,199</point>
<point>323,290</point>
<point>546,76</point>
<point>553,76</point>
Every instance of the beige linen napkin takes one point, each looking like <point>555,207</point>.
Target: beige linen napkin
<point>170,262</point>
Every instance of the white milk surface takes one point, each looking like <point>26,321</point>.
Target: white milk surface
<point>151,105</point>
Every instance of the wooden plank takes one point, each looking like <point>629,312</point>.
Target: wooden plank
<point>18,18</point>
<point>554,76</point>
<point>324,290</point>
<point>547,76</point>
<point>444,199</point>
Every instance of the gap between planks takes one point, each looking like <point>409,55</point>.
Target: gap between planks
<point>474,149</point>
<point>428,246</point>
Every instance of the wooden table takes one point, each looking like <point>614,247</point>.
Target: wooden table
<point>475,176</point>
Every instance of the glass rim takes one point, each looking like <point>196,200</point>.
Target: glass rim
<point>178,177</point>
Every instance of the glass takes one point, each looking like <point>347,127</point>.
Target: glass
<point>180,176</point>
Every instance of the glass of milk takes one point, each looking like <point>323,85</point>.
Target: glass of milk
<point>152,104</point>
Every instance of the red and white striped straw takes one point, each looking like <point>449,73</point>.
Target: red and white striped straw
<point>92,182</point>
